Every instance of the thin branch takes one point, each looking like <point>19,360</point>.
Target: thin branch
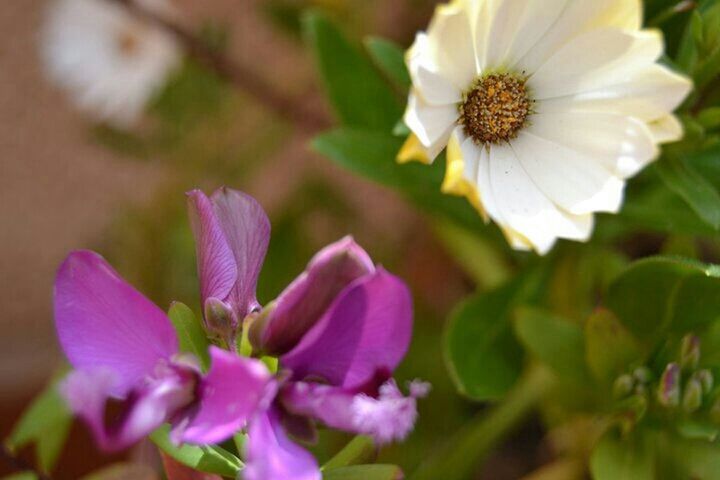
<point>236,73</point>
<point>21,465</point>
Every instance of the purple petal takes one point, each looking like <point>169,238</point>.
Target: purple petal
<point>366,330</point>
<point>247,232</point>
<point>216,265</point>
<point>271,455</point>
<point>303,303</point>
<point>388,417</point>
<point>88,393</point>
<point>103,322</point>
<point>234,388</point>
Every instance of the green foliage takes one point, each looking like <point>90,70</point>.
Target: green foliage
<point>557,342</point>
<point>660,295</point>
<point>609,347</point>
<point>682,178</point>
<point>206,458</point>
<point>623,459</point>
<point>21,476</point>
<point>46,423</point>
<point>364,472</point>
<point>372,154</point>
<point>483,356</point>
<point>360,97</point>
<point>190,333</point>
<point>390,59</point>
<point>359,450</point>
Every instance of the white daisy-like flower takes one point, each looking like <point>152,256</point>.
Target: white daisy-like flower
<point>109,61</point>
<point>546,108</point>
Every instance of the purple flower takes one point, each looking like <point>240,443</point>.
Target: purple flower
<point>231,235</point>
<point>343,327</point>
<point>129,377</point>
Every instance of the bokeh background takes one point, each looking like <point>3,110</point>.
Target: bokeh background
<point>66,183</point>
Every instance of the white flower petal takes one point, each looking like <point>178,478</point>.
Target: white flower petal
<point>451,41</point>
<point>85,51</point>
<point>574,182</point>
<point>427,77</point>
<point>593,60</point>
<point>623,145</point>
<point>431,124</point>
<point>666,129</point>
<point>526,209</point>
<point>517,26</point>
<point>581,16</point>
<point>648,94</point>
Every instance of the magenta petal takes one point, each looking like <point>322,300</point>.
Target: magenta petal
<point>303,303</point>
<point>103,322</point>
<point>146,408</point>
<point>387,417</point>
<point>366,330</point>
<point>216,265</point>
<point>247,232</point>
<point>271,455</point>
<point>234,388</point>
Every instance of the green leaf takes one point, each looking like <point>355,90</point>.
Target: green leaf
<point>556,342</point>
<point>359,450</point>
<point>372,154</point>
<point>206,458</point>
<point>46,423</point>
<point>609,347</point>
<point>687,182</point>
<point>191,334</point>
<point>357,91</point>
<point>364,472</point>
<point>390,58</point>
<point>694,459</point>
<point>21,476</point>
<point>622,459</point>
<point>483,356</point>
<point>661,294</point>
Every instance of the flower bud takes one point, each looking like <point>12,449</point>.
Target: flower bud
<point>220,319</point>
<point>258,325</point>
<point>706,379</point>
<point>690,352</point>
<point>692,396</point>
<point>623,386</point>
<point>642,374</point>
<point>669,389</point>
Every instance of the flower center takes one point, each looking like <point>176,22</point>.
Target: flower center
<point>495,108</point>
<point>128,41</point>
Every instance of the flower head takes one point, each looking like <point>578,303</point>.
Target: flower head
<point>125,352</point>
<point>108,60</point>
<point>340,330</point>
<point>546,107</point>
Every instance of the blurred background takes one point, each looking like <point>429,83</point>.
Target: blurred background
<point>66,183</point>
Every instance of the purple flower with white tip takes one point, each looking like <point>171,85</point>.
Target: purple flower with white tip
<point>125,352</point>
<point>231,234</point>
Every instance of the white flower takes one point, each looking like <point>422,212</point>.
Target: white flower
<point>109,61</point>
<point>546,108</point>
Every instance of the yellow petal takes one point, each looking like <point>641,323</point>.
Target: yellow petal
<point>413,151</point>
<point>455,182</point>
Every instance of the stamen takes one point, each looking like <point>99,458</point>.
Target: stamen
<point>495,109</point>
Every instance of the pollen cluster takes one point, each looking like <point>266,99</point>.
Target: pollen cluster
<point>495,109</point>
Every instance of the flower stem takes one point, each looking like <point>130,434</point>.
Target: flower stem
<point>464,452</point>
<point>236,73</point>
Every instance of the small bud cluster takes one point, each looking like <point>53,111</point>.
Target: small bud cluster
<point>683,386</point>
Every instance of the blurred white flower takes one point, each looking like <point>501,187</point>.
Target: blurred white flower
<point>546,108</point>
<point>109,61</point>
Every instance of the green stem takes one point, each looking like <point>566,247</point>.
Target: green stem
<point>670,12</point>
<point>465,451</point>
